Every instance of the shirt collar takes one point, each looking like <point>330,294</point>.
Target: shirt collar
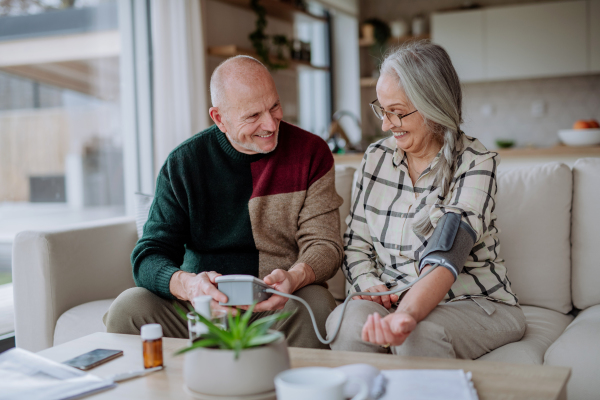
<point>399,158</point>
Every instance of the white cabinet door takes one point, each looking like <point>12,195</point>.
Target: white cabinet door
<point>594,24</point>
<point>462,35</point>
<point>538,40</point>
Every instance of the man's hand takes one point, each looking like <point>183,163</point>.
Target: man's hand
<point>387,301</point>
<point>283,281</point>
<point>390,330</point>
<point>185,286</point>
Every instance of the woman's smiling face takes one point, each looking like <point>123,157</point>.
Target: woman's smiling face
<point>413,136</point>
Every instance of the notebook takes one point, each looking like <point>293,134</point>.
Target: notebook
<point>26,375</point>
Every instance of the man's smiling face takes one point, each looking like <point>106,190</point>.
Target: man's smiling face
<point>251,111</point>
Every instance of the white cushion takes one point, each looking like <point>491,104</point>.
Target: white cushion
<point>80,321</point>
<point>543,328</point>
<point>142,205</point>
<point>579,348</point>
<point>534,218</point>
<point>344,176</point>
<point>585,234</point>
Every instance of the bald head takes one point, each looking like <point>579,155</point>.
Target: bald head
<point>238,72</point>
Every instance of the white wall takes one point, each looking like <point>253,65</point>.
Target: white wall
<point>346,71</point>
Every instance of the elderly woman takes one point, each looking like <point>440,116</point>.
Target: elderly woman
<point>426,196</point>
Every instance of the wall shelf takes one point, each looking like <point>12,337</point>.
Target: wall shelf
<point>233,50</point>
<point>368,82</point>
<point>366,42</point>
<point>277,9</point>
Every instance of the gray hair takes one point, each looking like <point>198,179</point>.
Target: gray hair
<point>426,74</point>
<point>239,65</point>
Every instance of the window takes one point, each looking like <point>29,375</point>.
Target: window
<point>61,152</point>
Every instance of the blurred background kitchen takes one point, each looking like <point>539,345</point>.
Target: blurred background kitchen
<point>94,94</point>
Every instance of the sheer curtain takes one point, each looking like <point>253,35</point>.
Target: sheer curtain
<point>180,93</point>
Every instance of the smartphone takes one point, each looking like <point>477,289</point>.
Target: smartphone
<point>93,358</point>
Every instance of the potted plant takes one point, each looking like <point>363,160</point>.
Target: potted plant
<point>242,359</point>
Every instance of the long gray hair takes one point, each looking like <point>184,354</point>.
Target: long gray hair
<point>426,74</point>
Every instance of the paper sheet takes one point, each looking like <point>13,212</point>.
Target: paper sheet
<point>428,384</point>
<point>25,375</point>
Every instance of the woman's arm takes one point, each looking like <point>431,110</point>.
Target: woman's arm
<point>359,265</point>
<point>418,302</point>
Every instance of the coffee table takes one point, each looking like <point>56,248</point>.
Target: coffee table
<point>492,380</point>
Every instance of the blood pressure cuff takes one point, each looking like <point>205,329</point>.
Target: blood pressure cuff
<point>450,244</point>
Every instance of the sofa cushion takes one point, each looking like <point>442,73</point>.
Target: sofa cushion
<point>543,328</point>
<point>579,348</point>
<point>585,232</point>
<point>344,176</point>
<point>80,321</point>
<point>534,218</point>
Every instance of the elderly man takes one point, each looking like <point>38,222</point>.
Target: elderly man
<point>250,195</point>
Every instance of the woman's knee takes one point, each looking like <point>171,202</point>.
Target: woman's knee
<point>349,334</point>
<point>428,339</point>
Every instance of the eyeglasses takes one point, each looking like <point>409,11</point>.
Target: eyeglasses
<point>394,118</point>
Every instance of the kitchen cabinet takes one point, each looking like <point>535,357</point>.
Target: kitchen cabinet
<point>594,24</point>
<point>462,35</point>
<point>536,40</point>
<point>523,41</point>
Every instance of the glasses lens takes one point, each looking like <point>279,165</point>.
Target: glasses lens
<point>394,119</point>
<point>377,110</point>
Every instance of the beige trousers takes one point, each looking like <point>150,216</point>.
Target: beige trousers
<point>138,306</point>
<point>464,329</point>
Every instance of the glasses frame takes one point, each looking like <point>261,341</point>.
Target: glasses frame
<point>385,113</point>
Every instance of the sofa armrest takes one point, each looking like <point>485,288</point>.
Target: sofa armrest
<point>579,348</point>
<point>54,271</point>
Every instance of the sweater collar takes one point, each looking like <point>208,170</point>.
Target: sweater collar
<point>232,152</point>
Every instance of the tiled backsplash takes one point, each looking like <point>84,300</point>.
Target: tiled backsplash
<point>564,101</point>
<point>503,110</point>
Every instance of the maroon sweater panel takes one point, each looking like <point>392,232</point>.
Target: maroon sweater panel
<point>300,159</point>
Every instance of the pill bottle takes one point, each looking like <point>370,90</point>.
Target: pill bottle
<point>152,345</point>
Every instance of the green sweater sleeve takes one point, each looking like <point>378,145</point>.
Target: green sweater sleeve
<point>160,251</point>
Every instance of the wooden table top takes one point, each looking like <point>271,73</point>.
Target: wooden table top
<point>492,380</point>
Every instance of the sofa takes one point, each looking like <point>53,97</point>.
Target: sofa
<point>65,280</point>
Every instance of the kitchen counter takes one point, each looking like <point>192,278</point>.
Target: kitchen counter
<point>512,157</point>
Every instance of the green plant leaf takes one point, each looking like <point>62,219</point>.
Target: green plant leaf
<point>263,339</point>
<point>198,344</point>
<point>262,325</point>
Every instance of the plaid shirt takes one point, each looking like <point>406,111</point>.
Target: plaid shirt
<point>380,245</point>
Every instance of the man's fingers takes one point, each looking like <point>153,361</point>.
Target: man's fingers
<point>212,275</point>
<point>212,291</point>
<point>273,303</point>
<point>274,277</point>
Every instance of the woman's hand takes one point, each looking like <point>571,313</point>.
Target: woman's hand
<point>387,301</point>
<point>391,330</point>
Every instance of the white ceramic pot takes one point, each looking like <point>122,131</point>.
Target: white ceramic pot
<point>217,372</point>
<point>579,137</point>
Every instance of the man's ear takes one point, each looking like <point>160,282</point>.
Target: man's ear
<point>217,117</point>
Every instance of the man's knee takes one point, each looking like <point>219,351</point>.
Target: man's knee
<point>318,298</point>
<point>129,310</point>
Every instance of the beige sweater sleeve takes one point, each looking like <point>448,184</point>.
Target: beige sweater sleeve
<point>318,235</point>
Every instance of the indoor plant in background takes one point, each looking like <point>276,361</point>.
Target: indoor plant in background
<point>381,35</point>
<point>242,359</point>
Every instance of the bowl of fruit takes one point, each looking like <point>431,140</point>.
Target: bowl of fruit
<point>584,133</point>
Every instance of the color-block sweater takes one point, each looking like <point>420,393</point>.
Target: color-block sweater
<point>216,209</point>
